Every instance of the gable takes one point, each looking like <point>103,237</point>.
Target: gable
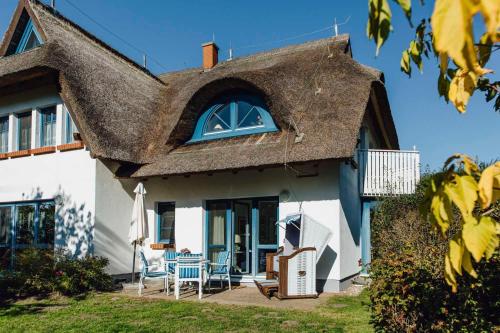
<point>24,32</point>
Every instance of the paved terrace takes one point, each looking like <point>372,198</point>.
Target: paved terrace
<point>239,295</point>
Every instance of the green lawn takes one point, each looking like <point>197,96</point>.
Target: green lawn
<point>116,313</point>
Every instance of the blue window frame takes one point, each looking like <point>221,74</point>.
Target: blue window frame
<point>30,38</point>
<point>165,216</point>
<point>69,128</point>
<point>48,117</point>
<point>235,115</point>
<point>4,134</point>
<point>24,225</point>
<point>24,131</point>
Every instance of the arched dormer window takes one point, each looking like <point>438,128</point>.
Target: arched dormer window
<point>235,115</point>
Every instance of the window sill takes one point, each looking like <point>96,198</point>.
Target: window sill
<point>19,153</point>
<point>71,146</point>
<point>162,246</point>
<point>43,150</point>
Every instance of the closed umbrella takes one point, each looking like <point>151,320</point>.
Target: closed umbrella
<point>138,226</point>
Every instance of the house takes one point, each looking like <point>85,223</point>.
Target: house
<point>224,150</point>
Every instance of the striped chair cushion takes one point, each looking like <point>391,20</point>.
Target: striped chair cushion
<point>189,272</point>
<point>171,255</point>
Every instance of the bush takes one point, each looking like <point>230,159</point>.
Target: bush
<point>41,272</point>
<point>408,290</point>
<point>79,276</point>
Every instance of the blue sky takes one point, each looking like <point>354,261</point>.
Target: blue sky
<point>172,32</point>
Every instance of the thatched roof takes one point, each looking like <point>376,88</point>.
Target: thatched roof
<point>129,115</point>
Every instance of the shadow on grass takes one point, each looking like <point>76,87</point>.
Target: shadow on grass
<point>15,310</point>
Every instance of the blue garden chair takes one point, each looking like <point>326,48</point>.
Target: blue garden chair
<point>147,273</point>
<point>189,268</point>
<point>170,264</point>
<point>220,267</point>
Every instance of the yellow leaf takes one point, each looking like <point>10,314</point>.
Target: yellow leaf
<point>452,29</point>
<point>462,190</point>
<point>449,275</point>
<point>440,211</point>
<point>489,185</point>
<point>492,246</point>
<point>379,21</point>
<point>490,9</point>
<point>477,236</point>
<point>461,89</point>
<point>456,253</point>
<point>467,264</point>
<point>405,62</point>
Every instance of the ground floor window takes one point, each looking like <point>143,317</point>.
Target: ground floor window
<point>166,222</point>
<point>244,227</point>
<point>24,225</point>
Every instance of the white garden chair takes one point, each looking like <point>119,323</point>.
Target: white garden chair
<point>189,268</point>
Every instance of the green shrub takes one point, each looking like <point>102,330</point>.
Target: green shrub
<point>40,272</point>
<point>79,276</point>
<point>408,291</point>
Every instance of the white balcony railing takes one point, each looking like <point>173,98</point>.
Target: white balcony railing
<point>388,172</point>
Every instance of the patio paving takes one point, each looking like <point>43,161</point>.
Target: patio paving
<point>239,295</point>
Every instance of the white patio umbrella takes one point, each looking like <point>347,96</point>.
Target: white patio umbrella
<point>138,226</point>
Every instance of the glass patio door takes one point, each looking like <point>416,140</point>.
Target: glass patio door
<point>217,225</point>
<point>245,227</point>
<point>242,237</point>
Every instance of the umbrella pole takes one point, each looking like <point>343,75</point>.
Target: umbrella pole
<point>133,264</point>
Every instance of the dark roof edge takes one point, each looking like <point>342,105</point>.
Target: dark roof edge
<point>98,41</point>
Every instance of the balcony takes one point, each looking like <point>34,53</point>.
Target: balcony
<point>388,172</point>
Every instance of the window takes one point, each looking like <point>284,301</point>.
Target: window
<point>166,222</point>
<point>24,225</point>
<point>30,38</point>
<point>4,134</point>
<point>24,131</point>
<point>241,114</point>
<point>48,126</point>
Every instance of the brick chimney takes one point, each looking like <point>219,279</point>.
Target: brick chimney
<point>210,55</point>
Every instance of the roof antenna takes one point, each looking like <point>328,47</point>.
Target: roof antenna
<point>337,25</point>
<point>213,37</point>
<point>230,51</point>
<point>144,61</point>
<point>53,4</point>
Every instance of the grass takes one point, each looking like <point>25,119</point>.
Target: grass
<point>118,313</point>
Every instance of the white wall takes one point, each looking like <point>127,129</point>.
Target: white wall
<point>319,197</point>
